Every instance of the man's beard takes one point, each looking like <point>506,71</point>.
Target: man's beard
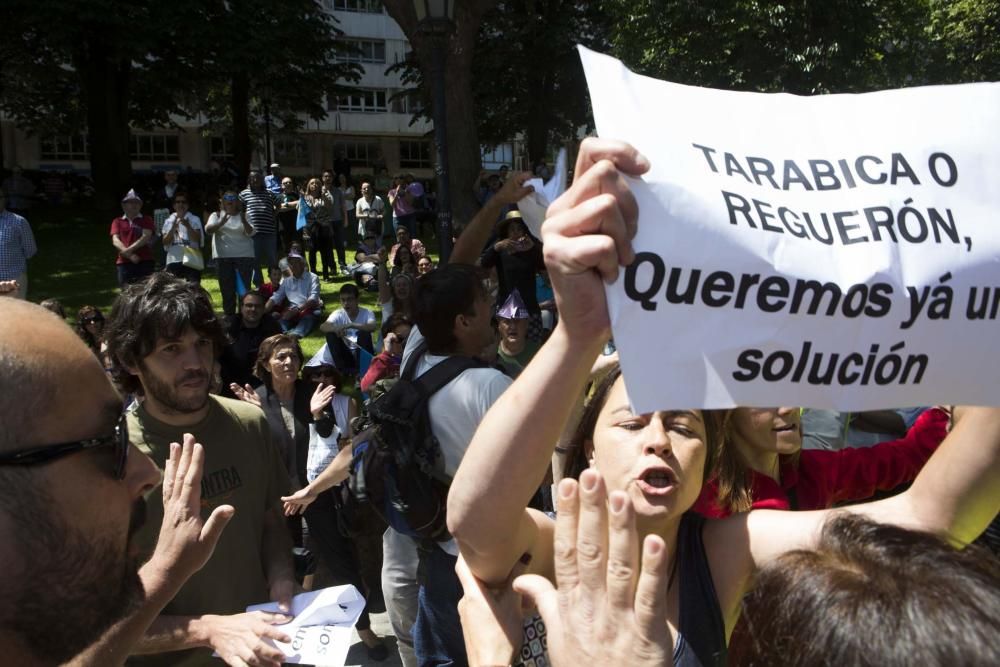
<point>166,394</point>
<point>72,586</point>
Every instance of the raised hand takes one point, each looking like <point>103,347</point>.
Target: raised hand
<point>514,189</point>
<point>245,393</point>
<point>321,398</point>
<point>186,542</point>
<point>601,614</point>
<point>588,233</point>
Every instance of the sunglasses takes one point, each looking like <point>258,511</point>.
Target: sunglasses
<point>93,319</point>
<point>230,198</point>
<point>48,453</point>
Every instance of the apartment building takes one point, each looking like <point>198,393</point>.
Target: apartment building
<point>370,127</point>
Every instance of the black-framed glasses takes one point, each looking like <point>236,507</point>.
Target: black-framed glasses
<point>92,319</point>
<point>48,453</point>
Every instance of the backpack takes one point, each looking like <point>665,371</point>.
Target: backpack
<point>397,465</point>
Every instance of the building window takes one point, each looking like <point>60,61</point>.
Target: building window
<point>401,102</point>
<point>292,151</point>
<point>67,147</point>
<point>362,51</point>
<point>498,156</point>
<point>361,152</point>
<point>152,147</point>
<point>364,6</point>
<point>220,148</point>
<point>365,101</point>
<point>415,154</point>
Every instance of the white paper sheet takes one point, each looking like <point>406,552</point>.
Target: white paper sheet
<point>322,629</point>
<point>760,208</point>
<point>533,206</point>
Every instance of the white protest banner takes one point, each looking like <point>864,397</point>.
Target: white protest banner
<point>834,251</point>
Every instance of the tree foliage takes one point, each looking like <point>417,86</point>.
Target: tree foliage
<point>528,78</point>
<point>104,67</point>
<point>967,36</point>
<point>808,47</point>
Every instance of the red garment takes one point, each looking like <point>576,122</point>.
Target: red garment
<point>382,366</point>
<point>130,231</point>
<point>824,478</point>
<point>267,290</point>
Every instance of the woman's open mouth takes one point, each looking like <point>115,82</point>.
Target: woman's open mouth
<point>657,481</point>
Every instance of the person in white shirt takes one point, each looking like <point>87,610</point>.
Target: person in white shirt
<point>234,254</point>
<point>370,211</point>
<point>348,330</point>
<point>182,230</point>
<point>301,291</point>
<point>453,317</point>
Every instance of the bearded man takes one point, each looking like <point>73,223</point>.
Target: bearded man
<point>163,338</point>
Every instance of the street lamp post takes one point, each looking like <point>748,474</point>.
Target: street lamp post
<point>435,19</point>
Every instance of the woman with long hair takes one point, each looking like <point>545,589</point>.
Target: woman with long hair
<point>404,263</point>
<point>395,294</point>
<point>320,227</point>
<point>653,465</point>
<point>89,326</point>
<point>763,466</point>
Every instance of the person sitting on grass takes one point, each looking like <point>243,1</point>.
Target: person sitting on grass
<point>348,330</point>
<point>301,291</point>
<point>385,365</point>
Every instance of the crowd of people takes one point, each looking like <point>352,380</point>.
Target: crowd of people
<point>575,530</point>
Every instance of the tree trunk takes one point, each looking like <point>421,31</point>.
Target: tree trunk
<point>105,85</point>
<point>463,134</point>
<point>240,110</point>
<point>464,152</point>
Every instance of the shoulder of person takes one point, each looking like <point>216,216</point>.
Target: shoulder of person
<point>246,416</point>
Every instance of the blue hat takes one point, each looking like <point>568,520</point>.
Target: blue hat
<point>513,308</point>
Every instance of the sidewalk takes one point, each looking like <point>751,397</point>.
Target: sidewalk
<point>358,656</point>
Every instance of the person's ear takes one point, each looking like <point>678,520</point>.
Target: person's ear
<point>588,450</point>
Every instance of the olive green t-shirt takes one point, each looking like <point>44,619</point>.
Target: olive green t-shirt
<point>516,363</point>
<point>242,468</point>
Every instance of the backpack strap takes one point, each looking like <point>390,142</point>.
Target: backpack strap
<point>407,372</point>
<point>441,374</point>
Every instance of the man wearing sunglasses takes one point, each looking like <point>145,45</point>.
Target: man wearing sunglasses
<point>164,336</point>
<point>72,499</point>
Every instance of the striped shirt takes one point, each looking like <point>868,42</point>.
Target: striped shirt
<point>17,245</point>
<point>259,209</point>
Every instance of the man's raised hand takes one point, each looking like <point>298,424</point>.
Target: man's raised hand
<point>608,609</point>
<point>186,541</point>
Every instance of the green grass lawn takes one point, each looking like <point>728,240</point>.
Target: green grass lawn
<point>75,264</point>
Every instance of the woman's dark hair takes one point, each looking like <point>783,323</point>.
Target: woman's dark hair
<point>397,260</point>
<point>393,321</point>
<point>310,373</point>
<point>577,460</point>
<point>439,297</point>
<point>86,312</point>
<point>735,476</point>
<point>262,367</point>
<point>159,308</point>
<point>399,305</point>
<point>872,594</point>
